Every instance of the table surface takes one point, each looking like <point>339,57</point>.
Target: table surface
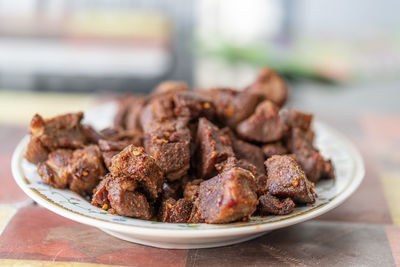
<point>362,231</point>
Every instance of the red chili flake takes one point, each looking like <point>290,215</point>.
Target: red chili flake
<point>229,112</point>
<point>223,139</point>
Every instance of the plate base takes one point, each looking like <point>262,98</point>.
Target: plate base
<point>172,243</point>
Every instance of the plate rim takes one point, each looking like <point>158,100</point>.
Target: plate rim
<point>187,232</point>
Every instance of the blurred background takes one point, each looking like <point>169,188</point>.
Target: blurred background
<point>347,52</point>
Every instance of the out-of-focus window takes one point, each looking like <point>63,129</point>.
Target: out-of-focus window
<point>81,45</point>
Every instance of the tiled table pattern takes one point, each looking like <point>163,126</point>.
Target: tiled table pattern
<point>364,231</point>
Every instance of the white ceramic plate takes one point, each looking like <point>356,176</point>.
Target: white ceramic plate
<point>346,159</point>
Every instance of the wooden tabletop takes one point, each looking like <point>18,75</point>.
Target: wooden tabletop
<point>364,231</point>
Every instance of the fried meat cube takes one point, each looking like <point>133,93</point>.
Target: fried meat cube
<point>190,106</point>
<point>232,106</point>
<point>276,148</point>
<point>80,170</point>
<point>287,179</point>
<point>264,126</point>
<point>63,131</point>
<point>213,147</point>
<point>228,197</point>
<point>169,144</point>
<point>134,163</point>
<point>269,204</point>
<point>269,86</point>
<point>175,211</point>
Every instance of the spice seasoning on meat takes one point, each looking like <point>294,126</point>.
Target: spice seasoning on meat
<point>183,156</point>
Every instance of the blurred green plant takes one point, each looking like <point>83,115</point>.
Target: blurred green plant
<point>289,65</point>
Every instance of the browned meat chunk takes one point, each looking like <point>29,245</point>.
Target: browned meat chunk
<point>287,179</point>
<point>64,131</point>
<point>213,147</point>
<point>190,106</point>
<point>79,169</point>
<point>91,135</point>
<point>271,149</point>
<point>36,152</point>
<point>259,175</point>
<point>191,189</point>
<point>54,171</point>
<point>126,200</point>
<point>295,118</point>
<point>110,145</point>
<point>134,163</point>
<point>121,195</point>
<point>120,117</point>
<point>315,166</point>
<point>111,148</point>
<point>264,125</point>
<point>268,204</point>
<point>270,86</point>
<point>132,120</point>
<point>250,153</point>
<point>232,106</point>
<point>100,193</point>
<point>129,110</point>
<point>159,109</point>
<point>173,211</point>
<point>298,139</point>
<point>129,136</point>
<point>170,87</point>
<point>169,144</point>
<point>228,197</point>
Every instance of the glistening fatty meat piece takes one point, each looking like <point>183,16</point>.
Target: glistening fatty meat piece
<point>287,179</point>
<point>264,125</point>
